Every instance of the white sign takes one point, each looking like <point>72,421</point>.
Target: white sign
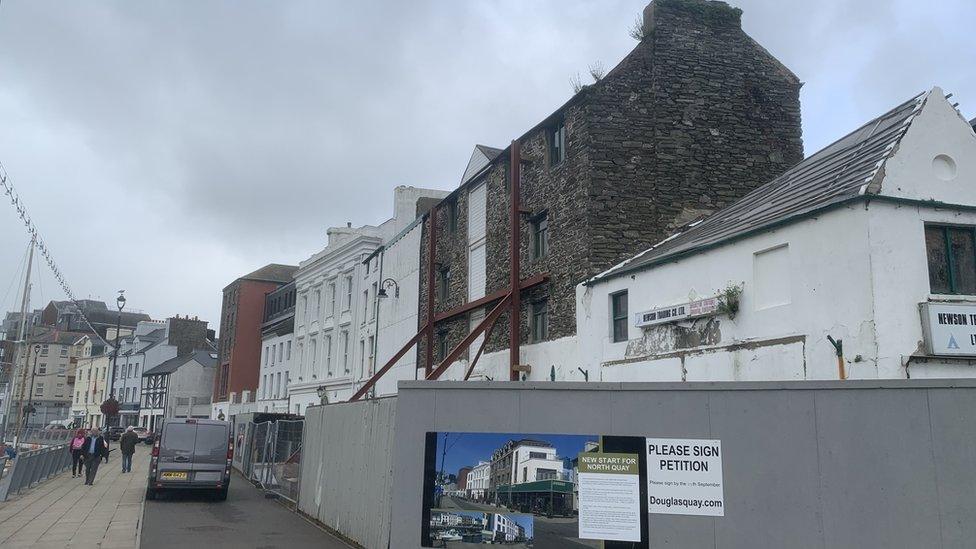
<point>674,313</point>
<point>684,477</point>
<point>609,496</point>
<point>949,328</point>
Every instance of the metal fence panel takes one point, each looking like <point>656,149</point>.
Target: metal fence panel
<point>347,469</point>
<point>32,467</point>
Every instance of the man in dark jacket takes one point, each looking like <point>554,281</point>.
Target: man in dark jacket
<point>127,445</point>
<point>95,447</point>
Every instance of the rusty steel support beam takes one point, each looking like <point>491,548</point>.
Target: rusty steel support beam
<point>431,250</point>
<point>514,254</point>
<point>456,352</point>
<point>481,349</point>
<point>525,284</point>
<point>389,364</point>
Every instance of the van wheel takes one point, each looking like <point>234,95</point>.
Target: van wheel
<point>150,494</point>
<point>222,494</point>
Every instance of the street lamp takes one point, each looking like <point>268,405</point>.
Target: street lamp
<point>388,282</point>
<point>30,395</point>
<point>110,403</point>
<point>323,393</point>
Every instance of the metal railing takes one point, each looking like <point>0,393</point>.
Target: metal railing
<point>275,457</point>
<point>32,467</point>
<point>33,435</point>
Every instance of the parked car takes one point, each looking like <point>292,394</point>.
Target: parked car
<point>145,435</point>
<point>191,454</point>
<point>114,432</point>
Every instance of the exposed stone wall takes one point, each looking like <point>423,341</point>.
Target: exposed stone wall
<point>187,334</point>
<point>693,118</point>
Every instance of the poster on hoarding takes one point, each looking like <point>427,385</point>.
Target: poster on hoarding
<point>525,490</point>
<point>684,477</point>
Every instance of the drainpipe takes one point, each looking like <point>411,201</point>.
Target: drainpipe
<point>514,252</point>
<point>839,349</point>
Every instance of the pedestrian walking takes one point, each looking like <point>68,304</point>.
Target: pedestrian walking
<point>95,447</point>
<point>77,453</point>
<point>127,445</point>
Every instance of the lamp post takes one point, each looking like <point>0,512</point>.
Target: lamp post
<point>380,294</point>
<point>30,395</point>
<point>111,406</point>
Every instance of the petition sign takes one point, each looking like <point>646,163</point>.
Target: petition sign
<point>684,477</point>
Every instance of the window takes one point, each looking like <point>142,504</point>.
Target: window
<point>557,143</point>
<point>345,352</point>
<point>537,455</point>
<point>362,358</point>
<point>540,320</point>
<point>443,283</point>
<point>281,352</point>
<point>64,351</point>
<point>267,356</point>
<point>44,350</point>
<point>951,253</point>
<point>264,386</point>
<point>304,309</point>
<point>372,315</point>
<point>327,351</point>
<point>365,305</point>
<point>288,351</point>
<point>618,316</point>
<point>442,343</point>
<point>540,236</point>
<point>42,368</point>
<point>452,216</point>
<point>332,299</point>
<point>348,304</point>
<point>278,386</point>
<point>313,355</point>
<point>39,388</point>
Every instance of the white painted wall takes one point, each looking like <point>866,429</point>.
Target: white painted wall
<point>277,352</point>
<point>344,256</point>
<point>857,273</point>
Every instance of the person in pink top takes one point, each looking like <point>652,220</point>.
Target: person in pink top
<point>77,452</point>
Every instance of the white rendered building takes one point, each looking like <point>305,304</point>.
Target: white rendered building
<point>859,262</point>
<point>335,313</point>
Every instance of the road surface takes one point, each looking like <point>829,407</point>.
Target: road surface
<point>550,533</point>
<point>247,520</point>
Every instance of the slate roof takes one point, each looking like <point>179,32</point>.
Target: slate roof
<point>205,358</point>
<point>973,123</point>
<point>273,272</point>
<point>58,337</point>
<point>845,169</point>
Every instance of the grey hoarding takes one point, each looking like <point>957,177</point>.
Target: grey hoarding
<point>806,464</point>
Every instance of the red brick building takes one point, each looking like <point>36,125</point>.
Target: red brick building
<point>240,331</point>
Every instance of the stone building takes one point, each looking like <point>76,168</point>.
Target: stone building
<point>696,116</point>
<point>49,363</point>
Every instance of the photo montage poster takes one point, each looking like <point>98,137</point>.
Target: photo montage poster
<point>545,491</point>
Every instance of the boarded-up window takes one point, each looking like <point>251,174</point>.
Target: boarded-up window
<point>772,275</point>
<point>951,254</point>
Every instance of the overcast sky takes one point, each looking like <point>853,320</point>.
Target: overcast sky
<point>168,147</point>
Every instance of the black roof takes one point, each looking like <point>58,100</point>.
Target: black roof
<point>205,358</point>
<point>845,169</point>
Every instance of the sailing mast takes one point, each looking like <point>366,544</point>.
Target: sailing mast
<point>21,334</point>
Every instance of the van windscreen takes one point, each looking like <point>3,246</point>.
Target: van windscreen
<point>178,437</point>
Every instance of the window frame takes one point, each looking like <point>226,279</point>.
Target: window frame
<point>614,316</point>
<point>444,283</point>
<point>556,140</point>
<point>539,308</point>
<point>945,228</point>
<point>539,252</point>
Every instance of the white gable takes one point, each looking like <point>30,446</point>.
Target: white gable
<point>936,159</point>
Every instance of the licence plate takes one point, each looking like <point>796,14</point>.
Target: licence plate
<point>173,475</point>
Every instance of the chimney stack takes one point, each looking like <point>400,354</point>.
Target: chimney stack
<point>711,13</point>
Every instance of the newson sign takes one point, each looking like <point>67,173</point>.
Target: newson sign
<point>949,328</point>
<point>673,313</point>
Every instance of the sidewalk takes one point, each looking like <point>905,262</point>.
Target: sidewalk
<point>63,512</point>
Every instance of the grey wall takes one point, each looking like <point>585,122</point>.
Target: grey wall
<point>806,464</point>
<point>347,457</point>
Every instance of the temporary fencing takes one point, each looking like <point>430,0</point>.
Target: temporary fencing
<point>275,456</point>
